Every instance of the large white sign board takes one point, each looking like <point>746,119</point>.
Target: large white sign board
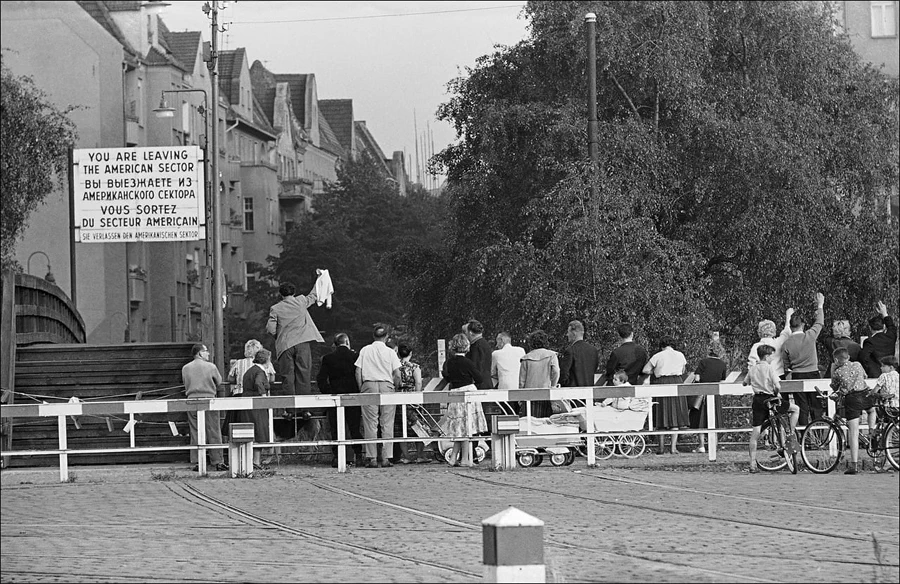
<point>139,194</point>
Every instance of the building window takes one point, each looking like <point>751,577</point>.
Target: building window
<point>248,214</point>
<point>249,276</point>
<point>884,19</point>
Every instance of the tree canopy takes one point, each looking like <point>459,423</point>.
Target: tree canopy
<point>356,223</point>
<point>34,139</point>
<point>746,158</point>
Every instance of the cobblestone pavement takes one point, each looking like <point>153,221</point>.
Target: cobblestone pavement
<point>662,519</point>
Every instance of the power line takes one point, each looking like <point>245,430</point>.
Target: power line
<point>373,15</point>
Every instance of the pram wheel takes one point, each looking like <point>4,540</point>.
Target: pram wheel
<point>525,459</point>
<point>631,445</point>
<point>538,459</point>
<point>604,447</point>
<point>559,459</point>
<point>570,458</point>
<point>479,454</point>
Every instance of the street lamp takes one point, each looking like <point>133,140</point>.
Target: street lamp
<point>213,236</point>
<point>49,277</point>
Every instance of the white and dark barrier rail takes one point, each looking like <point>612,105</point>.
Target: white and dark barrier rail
<point>434,394</point>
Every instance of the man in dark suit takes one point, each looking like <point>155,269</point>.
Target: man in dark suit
<point>882,342</point>
<point>479,352</point>
<point>338,375</point>
<point>579,360</point>
<point>628,357</point>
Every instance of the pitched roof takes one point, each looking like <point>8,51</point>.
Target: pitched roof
<point>123,6</point>
<point>184,46</point>
<point>327,137</point>
<point>100,12</point>
<point>229,64</point>
<point>339,113</point>
<point>368,142</point>
<point>297,81</point>
<point>262,119</point>
<point>265,96</point>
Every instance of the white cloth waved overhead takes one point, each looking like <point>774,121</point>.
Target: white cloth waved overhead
<point>324,288</point>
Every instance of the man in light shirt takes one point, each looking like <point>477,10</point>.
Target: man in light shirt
<point>505,363</point>
<point>378,371</point>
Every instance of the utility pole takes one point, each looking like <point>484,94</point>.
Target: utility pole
<point>590,20</point>
<point>218,276</point>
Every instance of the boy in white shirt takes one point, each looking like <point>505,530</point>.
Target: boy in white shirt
<point>765,384</point>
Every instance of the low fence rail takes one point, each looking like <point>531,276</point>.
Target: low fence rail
<point>433,394</point>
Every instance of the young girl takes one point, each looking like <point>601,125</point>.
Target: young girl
<point>462,419</point>
<point>410,380</point>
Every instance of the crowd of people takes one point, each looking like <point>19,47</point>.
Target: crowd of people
<point>472,363</point>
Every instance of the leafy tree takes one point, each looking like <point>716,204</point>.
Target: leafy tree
<point>35,138</point>
<point>357,223</point>
<point>745,154</point>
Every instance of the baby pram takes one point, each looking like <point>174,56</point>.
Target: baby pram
<point>426,425</point>
<point>531,448</point>
<point>620,417</point>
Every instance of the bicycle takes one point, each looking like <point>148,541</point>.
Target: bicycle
<point>822,445</point>
<point>776,437</point>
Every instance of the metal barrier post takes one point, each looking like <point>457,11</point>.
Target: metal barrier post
<point>503,441</point>
<point>240,449</point>
<point>201,440</point>
<point>513,547</point>
<point>712,439</point>
<point>590,441</point>
<point>832,446</point>
<point>342,435</point>
<point>131,427</point>
<point>63,445</point>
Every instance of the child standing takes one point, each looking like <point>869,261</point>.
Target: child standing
<point>888,385</point>
<point>765,384</point>
<point>410,380</point>
<point>848,380</point>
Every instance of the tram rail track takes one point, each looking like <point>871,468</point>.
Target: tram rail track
<point>553,542</point>
<point>693,514</point>
<point>189,492</point>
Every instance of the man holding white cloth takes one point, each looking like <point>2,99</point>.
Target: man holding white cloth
<point>378,371</point>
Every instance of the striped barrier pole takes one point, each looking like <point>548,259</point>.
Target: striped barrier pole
<point>513,547</point>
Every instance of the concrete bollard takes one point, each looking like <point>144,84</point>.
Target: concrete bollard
<point>240,449</point>
<point>513,547</point>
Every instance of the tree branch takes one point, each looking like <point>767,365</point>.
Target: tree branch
<point>625,95</point>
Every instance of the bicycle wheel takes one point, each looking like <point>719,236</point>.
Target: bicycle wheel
<point>767,456</point>
<point>822,447</point>
<point>892,445</point>
<point>782,435</point>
